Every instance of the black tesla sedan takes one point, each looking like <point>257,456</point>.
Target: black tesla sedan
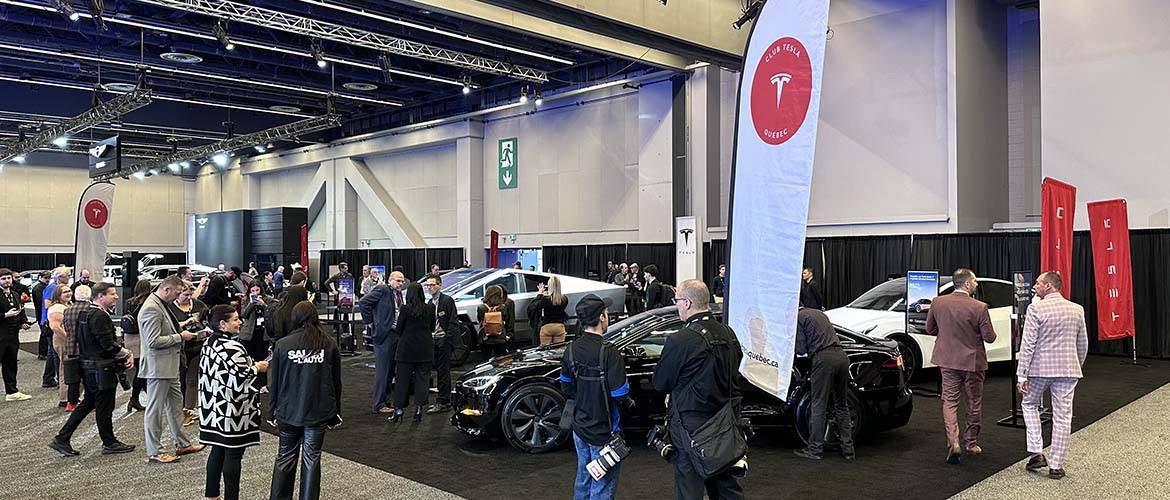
<point>519,396</point>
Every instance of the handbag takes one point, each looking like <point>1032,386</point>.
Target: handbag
<point>720,442</point>
<point>566,422</point>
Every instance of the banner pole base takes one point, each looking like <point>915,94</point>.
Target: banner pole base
<point>1016,419</point>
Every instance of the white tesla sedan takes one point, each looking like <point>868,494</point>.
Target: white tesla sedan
<point>881,313</point>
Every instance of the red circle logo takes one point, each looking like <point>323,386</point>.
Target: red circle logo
<point>97,214</point>
<point>781,90</point>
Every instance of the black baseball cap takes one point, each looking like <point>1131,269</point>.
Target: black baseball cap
<point>46,274</point>
<point>590,308</point>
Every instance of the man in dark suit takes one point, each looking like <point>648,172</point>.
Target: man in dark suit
<point>11,323</point>
<point>380,311</point>
<point>447,337</point>
<point>961,324</point>
<point>810,292</point>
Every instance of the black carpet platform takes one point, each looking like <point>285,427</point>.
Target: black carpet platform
<point>903,463</point>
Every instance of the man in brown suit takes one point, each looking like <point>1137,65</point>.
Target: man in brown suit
<point>962,325</point>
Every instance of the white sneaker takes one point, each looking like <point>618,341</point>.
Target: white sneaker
<point>17,396</point>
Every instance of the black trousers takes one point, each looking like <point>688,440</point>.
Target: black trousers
<point>305,443</point>
<point>689,485</point>
<point>443,350</point>
<point>8,349</point>
<point>45,341</point>
<point>830,384</point>
<point>52,362</point>
<point>95,399</point>
<point>225,463</point>
<point>417,373</point>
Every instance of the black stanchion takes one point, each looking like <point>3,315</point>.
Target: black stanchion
<point>1134,360</point>
<point>1016,418</point>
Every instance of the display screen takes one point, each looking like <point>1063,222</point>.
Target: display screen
<point>921,289</point>
<point>105,157</point>
<point>345,294</point>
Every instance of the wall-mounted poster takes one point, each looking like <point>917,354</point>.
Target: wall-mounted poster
<point>921,289</point>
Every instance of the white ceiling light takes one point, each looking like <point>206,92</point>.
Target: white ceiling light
<point>66,9</point>
<point>19,158</point>
<point>61,142</point>
<point>220,159</point>
<point>284,108</point>
<point>220,32</point>
<point>173,167</point>
<point>318,54</point>
<point>140,175</point>
<point>360,86</point>
<point>260,148</point>
<point>438,31</point>
<point>181,58</point>
<point>119,87</point>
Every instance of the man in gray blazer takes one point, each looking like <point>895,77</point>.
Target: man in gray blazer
<point>162,342</point>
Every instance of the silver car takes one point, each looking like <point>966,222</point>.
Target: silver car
<point>467,287</point>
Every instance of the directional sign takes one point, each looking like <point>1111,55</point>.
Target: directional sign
<point>508,175</point>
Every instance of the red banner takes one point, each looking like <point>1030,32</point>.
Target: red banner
<point>305,247</point>
<point>1057,207</point>
<point>1109,229</point>
<point>494,256</point>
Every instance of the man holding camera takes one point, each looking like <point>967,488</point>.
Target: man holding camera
<point>162,343</point>
<point>699,373</point>
<point>593,375</point>
<point>102,360</point>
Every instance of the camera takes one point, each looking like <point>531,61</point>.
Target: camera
<point>119,368</point>
<point>659,439</point>
<point>609,456</point>
<point>739,469</point>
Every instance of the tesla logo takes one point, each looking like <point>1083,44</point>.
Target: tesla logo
<point>202,221</point>
<point>779,80</point>
<point>97,214</point>
<point>686,234</point>
<point>781,91</point>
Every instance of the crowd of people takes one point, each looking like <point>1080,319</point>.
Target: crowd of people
<point>205,352</point>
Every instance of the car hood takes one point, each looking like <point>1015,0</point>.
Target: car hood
<point>861,320</point>
<point>536,357</point>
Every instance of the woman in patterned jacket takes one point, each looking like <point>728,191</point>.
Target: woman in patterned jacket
<point>229,404</point>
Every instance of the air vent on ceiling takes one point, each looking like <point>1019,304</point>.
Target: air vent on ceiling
<point>285,108</point>
<point>360,86</point>
<point>180,57</point>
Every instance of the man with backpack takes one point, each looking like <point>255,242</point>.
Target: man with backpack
<point>657,294</point>
<point>699,373</point>
<point>593,377</point>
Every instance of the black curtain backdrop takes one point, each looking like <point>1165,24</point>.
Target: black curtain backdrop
<point>446,258</point>
<point>854,265</point>
<point>413,261</point>
<point>597,256</point>
<point>20,262</point>
<point>659,254</point>
<point>568,260</point>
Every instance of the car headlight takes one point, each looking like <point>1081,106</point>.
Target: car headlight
<point>481,382</point>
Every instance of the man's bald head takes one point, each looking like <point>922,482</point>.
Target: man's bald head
<point>396,280</point>
<point>696,298</point>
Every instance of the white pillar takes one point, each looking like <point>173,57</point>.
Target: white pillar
<point>469,185</point>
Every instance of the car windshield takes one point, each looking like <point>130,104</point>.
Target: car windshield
<point>623,329</point>
<point>882,297</point>
<point>458,279</point>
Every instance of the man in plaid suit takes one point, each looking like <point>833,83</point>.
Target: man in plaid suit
<point>1051,354</point>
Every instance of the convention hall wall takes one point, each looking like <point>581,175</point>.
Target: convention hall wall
<point>39,204</point>
<point>1104,100</point>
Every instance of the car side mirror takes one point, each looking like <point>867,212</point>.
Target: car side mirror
<point>634,351</point>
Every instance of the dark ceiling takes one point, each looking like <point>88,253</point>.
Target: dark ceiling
<point>49,65</point>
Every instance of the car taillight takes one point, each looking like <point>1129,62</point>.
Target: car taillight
<point>894,362</point>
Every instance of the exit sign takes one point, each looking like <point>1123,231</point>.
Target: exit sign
<point>506,157</point>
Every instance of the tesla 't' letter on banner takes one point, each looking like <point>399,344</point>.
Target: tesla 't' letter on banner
<point>776,129</point>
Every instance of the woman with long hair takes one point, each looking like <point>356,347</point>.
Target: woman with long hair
<point>495,300</point>
<point>133,341</point>
<point>184,309</point>
<point>548,311</point>
<point>229,403</point>
<point>62,297</point>
<point>304,381</point>
<point>293,295</point>
<point>415,352</point>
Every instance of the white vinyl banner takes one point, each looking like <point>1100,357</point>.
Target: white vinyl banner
<point>688,256</point>
<point>776,130</point>
<point>93,227</point>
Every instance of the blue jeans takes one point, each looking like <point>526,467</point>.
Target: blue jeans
<point>585,488</point>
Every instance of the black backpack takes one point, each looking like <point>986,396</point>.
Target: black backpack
<point>129,322</point>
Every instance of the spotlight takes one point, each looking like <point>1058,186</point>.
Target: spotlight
<point>220,159</point>
<point>153,171</point>
<point>185,164</point>
<point>385,63</point>
<point>318,54</point>
<point>61,142</point>
<point>523,96</point>
<point>66,9</point>
<point>260,148</point>
<point>748,14</point>
<point>539,99</point>
<point>220,32</point>
<point>173,167</point>
<point>19,158</point>
<point>663,2</point>
<point>139,175</point>
<point>466,89</point>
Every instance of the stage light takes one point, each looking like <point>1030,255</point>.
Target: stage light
<point>61,142</point>
<point>185,164</point>
<point>260,148</point>
<point>220,32</point>
<point>19,159</point>
<point>66,9</point>
<point>318,54</point>
<point>523,96</point>
<point>748,14</point>
<point>173,167</point>
<point>140,175</point>
<point>386,64</point>
<point>220,159</point>
<point>539,99</point>
<point>466,89</point>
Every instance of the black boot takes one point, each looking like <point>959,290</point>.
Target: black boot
<point>418,413</point>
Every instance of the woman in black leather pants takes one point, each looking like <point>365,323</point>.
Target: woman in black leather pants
<point>304,403</point>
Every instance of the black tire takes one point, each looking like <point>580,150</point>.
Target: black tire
<point>804,413</point>
<point>911,355</point>
<point>463,350</point>
<point>531,419</point>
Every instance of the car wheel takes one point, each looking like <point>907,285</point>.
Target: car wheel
<point>467,343</point>
<point>531,419</point>
<point>911,356</point>
<point>804,414</point>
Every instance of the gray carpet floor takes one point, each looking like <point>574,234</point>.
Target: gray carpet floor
<point>32,471</point>
<point>1119,456</point>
